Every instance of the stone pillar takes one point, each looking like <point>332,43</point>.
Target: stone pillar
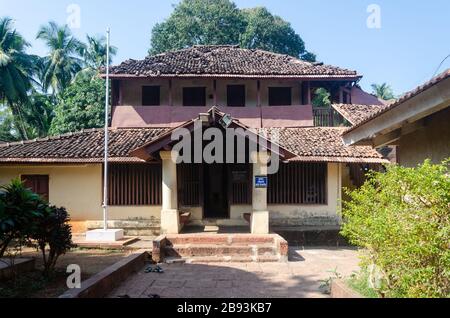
<point>170,217</point>
<point>260,215</point>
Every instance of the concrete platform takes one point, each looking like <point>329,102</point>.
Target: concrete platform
<point>81,241</point>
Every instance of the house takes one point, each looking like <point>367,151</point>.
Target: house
<point>264,96</point>
<point>418,124</point>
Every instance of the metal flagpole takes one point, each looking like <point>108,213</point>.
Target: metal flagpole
<point>105,181</point>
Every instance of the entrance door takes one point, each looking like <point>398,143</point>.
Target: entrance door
<point>216,191</point>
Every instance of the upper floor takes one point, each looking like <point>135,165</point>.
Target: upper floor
<point>261,89</point>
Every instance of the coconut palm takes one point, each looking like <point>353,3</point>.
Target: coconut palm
<point>63,61</point>
<point>94,52</point>
<point>16,68</point>
<point>383,91</point>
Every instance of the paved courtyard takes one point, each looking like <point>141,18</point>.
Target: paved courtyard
<point>298,278</point>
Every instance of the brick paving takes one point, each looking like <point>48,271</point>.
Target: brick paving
<point>299,278</point>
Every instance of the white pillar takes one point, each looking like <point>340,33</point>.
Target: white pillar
<point>170,217</point>
<point>260,215</point>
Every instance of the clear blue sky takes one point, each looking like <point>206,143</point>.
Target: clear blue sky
<point>413,39</point>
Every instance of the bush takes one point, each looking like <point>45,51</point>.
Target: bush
<point>402,219</point>
<point>54,231</point>
<point>19,208</point>
<point>26,218</point>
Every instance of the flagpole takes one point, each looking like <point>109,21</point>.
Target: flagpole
<point>105,177</point>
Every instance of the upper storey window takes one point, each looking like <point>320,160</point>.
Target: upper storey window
<point>151,95</point>
<point>280,96</point>
<point>194,96</point>
<point>236,95</point>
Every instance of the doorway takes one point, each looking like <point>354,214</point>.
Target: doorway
<point>215,191</point>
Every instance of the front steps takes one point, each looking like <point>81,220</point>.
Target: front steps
<point>213,248</point>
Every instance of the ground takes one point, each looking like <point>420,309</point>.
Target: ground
<point>35,286</point>
<point>300,277</point>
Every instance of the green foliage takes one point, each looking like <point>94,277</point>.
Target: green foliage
<point>53,230</point>
<point>19,209</point>
<point>383,91</point>
<point>325,284</point>
<point>402,219</point>
<point>63,61</point>
<point>196,22</point>
<point>359,282</point>
<point>321,98</point>
<point>80,106</point>
<point>220,22</point>
<point>271,33</point>
<point>25,217</point>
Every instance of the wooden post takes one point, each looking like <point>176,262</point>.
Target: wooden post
<point>215,92</point>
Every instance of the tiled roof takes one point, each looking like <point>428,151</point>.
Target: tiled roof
<point>308,144</point>
<point>85,146</point>
<point>226,61</point>
<point>434,81</point>
<point>321,144</point>
<point>357,113</point>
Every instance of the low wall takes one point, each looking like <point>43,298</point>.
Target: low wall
<point>339,289</point>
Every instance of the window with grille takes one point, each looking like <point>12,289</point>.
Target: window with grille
<point>39,184</point>
<point>299,183</point>
<point>138,185</point>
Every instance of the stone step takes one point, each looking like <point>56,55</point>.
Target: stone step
<point>223,239</point>
<point>223,250</point>
<point>223,259</point>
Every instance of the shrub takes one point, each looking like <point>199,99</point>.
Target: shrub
<point>402,219</point>
<point>54,231</point>
<point>19,208</point>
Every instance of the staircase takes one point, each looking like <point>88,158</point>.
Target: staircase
<point>212,248</point>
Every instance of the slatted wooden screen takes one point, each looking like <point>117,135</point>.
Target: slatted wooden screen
<point>135,184</point>
<point>299,183</point>
<point>240,184</point>
<point>189,185</point>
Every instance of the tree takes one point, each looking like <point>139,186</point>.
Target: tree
<point>195,22</point>
<point>15,72</point>
<point>63,60</point>
<point>94,52</point>
<point>401,219</point>
<point>220,22</point>
<point>271,33</point>
<point>80,106</point>
<point>322,98</point>
<point>383,91</point>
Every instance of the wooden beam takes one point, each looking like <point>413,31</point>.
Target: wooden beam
<point>387,139</point>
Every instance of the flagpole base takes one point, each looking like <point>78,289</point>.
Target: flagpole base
<point>104,236</point>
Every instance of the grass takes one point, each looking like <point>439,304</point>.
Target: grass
<point>359,282</point>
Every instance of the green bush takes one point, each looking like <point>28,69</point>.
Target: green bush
<point>53,231</point>
<point>402,220</point>
<point>19,208</point>
<point>26,218</point>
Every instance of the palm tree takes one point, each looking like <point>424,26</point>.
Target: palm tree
<point>94,52</point>
<point>383,91</point>
<point>16,68</point>
<point>63,61</point>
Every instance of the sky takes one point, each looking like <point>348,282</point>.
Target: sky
<point>404,50</point>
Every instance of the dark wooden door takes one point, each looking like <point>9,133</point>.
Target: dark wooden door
<point>216,191</point>
<point>38,184</point>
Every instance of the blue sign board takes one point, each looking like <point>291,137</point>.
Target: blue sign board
<point>261,182</point>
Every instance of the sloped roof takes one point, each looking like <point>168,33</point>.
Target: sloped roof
<point>321,144</point>
<point>85,146</point>
<point>434,81</point>
<point>357,113</point>
<point>226,61</point>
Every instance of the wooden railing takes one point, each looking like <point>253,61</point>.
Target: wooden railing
<point>327,117</point>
